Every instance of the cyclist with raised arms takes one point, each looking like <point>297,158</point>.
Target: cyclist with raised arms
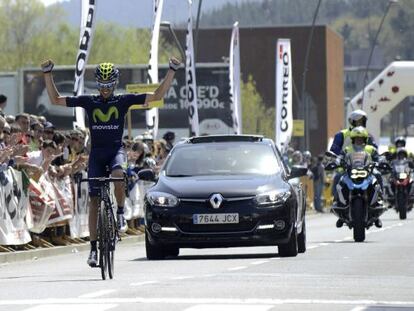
<point>106,114</point>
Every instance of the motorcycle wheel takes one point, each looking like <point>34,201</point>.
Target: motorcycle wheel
<point>402,204</point>
<point>358,220</point>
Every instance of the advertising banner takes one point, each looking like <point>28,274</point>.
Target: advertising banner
<point>85,43</point>
<point>190,77</point>
<point>41,204</point>
<point>284,117</point>
<point>151,115</point>
<point>13,209</point>
<point>234,72</point>
<point>79,223</point>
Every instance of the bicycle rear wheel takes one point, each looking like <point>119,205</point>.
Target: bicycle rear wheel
<point>103,240</point>
<point>111,229</point>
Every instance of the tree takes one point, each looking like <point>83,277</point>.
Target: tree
<point>257,119</point>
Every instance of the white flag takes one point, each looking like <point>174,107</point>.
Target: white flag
<point>151,116</point>
<point>190,78</point>
<point>234,73</point>
<point>87,27</point>
<point>284,118</point>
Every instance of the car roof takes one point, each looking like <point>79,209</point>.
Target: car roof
<point>224,138</point>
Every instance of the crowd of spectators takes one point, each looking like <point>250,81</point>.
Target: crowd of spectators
<point>316,173</point>
<point>34,145</point>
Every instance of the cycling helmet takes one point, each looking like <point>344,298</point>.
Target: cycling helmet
<point>357,115</point>
<point>400,142</point>
<point>106,75</point>
<point>169,136</point>
<point>359,131</point>
<point>402,153</point>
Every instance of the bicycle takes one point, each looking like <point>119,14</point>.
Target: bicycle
<point>107,230</point>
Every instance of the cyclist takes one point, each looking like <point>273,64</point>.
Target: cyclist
<point>106,113</point>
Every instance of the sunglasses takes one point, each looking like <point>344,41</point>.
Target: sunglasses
<point>107,85</point>
<point>6,133</point>
<point>75,138</point>
<point>48,132</point>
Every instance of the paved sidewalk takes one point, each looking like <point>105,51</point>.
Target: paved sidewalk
<point>37,253</point>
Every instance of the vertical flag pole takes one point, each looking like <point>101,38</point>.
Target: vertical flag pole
<point>190,78</point>
<point>85,43</point>
<point>234,77</point>
<point>151,116</point>
<point>284,117</point>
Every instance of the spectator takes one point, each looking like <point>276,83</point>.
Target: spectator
<point>23,120</point>
<point>36,135</point>
<point>318,182</point>
<point>3,104</point>
<point>48,131</point>
<point>169,138</point>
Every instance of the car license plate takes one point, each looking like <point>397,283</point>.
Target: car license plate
<point>206,219</point>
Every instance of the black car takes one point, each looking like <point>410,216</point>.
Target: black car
<point>224,191</point>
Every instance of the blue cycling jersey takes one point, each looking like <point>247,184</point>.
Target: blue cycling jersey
<point>106,117</point>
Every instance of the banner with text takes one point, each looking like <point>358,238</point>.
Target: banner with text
<point>13,209</point>
<point>151,115</point>
<point>190,77</point>
<point>234,70</point>
<point>284,117</point>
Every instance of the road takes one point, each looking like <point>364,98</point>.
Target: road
<point>334,274</point>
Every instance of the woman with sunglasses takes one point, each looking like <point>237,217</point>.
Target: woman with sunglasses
<point>106,113</point>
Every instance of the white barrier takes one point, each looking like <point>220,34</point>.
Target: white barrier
<point>27,205</point>
<point>13,209</point>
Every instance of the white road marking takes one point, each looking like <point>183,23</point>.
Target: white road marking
<point>237,268</point>
<point>98,293</point>
<point>182,277</point>
<point>359,309</point>
<point>312,246</point>
<point>207,275</point>
<point>259,262</point>
<point>71,307</point>
<point>143,283</point>
<point>223,307</point>
<point>174,300</point>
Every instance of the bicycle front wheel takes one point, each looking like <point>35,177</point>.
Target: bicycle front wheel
<point>103,240</point>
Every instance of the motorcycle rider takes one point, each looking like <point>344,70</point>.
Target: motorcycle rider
<point>342,139</point>
<point>399,142</point>
<point>359,142</point>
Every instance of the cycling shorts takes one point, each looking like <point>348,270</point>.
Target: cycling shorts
<point>100,161</point>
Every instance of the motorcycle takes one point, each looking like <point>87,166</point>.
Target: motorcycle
<point>402,191</point>
<point>358,201</point>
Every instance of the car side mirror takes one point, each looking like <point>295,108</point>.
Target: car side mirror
<point>146,174</point>
<point>298,171</point>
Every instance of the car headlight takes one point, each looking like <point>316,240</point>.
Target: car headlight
<point>272,198</point>
<point>162,199</point>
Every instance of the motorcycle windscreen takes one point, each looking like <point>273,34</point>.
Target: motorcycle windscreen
<point>358,159</point>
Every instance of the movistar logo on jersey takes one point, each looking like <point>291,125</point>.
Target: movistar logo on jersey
<point>98,114</point>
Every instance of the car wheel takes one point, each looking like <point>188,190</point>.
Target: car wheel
<point>154,251</point>
<point>41,110</point>
<point>302,238</point>
<point>290,249</point>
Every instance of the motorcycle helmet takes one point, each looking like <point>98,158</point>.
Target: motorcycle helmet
<point>359,132</point>
<point>400,142</point>
<point>106,75</point>
<point>358,116</point>
<point>297,158</point>
<point>402,153</point>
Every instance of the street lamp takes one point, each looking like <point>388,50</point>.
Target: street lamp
<point>167,25</point>
<point>390,3</point>
<point>303,103</point>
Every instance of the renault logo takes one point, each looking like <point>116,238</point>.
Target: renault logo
<point>216,200</point>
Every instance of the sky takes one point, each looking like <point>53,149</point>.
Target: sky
<point>48,2</point>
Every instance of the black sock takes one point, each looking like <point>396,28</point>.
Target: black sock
<point>120,210</point>
<point>93,246</point>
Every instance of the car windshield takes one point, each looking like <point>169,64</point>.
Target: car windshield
<point>223,159</point>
